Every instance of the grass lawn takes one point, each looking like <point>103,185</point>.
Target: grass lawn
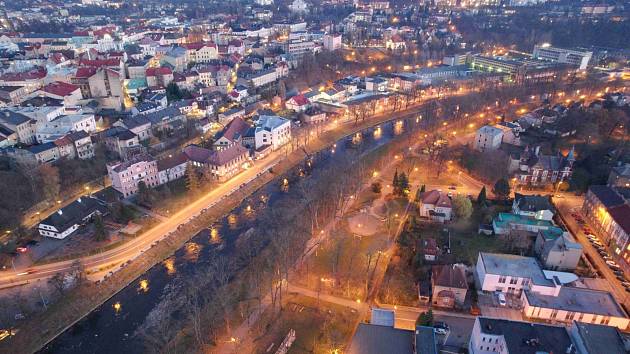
<point>318,329</point>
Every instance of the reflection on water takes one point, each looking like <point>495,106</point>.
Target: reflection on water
<point>144,286</point>
<point>285,185</point>
<point>377,133</point>
<point>169,264</point>
<point>192,251</point>
<point>399,127</point>
<point>232,220</point>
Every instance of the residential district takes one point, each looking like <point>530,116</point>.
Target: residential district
<point>300,176</point>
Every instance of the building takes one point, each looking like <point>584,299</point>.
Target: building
<point>272,131</point>
<point>232,134</point>
<point>538,170</point>
<point>436,206</point>
<point>44,153</point>
<point>534,206</point>
<point>371,338</point>
<point>298,103</point>
<point>609,214</point>
<point>511,274</point>
<point>332,42</point>
<point>488,138</point>
<point>172,168</point>
<point>126,176</point>
<point>64,124</point>
<point>575,304</point>
<point>449,285</point>
<point>221,164</point>
<point>592,338</point>
<point>557,249</point>
<point>493,335</point>
<point>506,223</point>
<point>314,115</point>
<point>620,176</point>
<point>19,123</point>
<point>68,219</point>
<point>82,144</point>
<point>580,58</point>
<point>13,94</point>
<point>121,140</point>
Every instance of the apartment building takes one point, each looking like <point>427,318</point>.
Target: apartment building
<point>126,176</point>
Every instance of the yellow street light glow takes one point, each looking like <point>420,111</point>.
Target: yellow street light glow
<point>117,307</point>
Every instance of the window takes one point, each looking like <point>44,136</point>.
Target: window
<point>502,279</point>
<point>554,313</point>
<point>513,280</point>
<point>570,315</point>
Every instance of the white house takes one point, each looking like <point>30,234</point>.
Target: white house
<point>68,219</point>
<point>172,168</point>
<point>272,131</point>
<point>436,206</point>
<point>534,206</point>
<point>488,138</point>
<point>511,274</point>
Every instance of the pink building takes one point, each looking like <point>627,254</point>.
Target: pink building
<point>125,176</point>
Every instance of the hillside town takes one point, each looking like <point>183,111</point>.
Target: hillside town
<point>299,176</point>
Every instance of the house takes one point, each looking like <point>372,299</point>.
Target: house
<point>494,335</point>
<point>69,93</point>
<point>272,131</point>
<point>298,103</point>
<point>68,219</point>
<point>121,141</point>
<point>620,176</point>
<point>126,176</point>
<point>557,249</point>
<point>44,153</point>
<point>429,249</point>
<point>435,206</point>
<point>21,124</point>
<point>229,115</point>
<point>488,138</point>
<point>138,125</point>
<point>534,206</point>
<point>505,223</point>
<point>449,285</point>
<point>82,144</point>
<point>13,94</point>
<point>159,77</point>
<point>232,134</point>
<point>172,168</point>
<point>511,274</point>
<point>377,339</point>
<point>221,164</point>
<point>314,115</point>
<point>144,108</point>
<point>64,124</point>
<point>167,118</point>
<point>575,304</point>
<point>537,169</point>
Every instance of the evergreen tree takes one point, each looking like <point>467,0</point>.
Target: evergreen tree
<point>502,189</point>
<point>481,198</point>
<point>99,228</point>
<point>425,318</point>
<point>423,188</point>
<point>192,179</point>
<point>395,183</point>
<point>403,183</point>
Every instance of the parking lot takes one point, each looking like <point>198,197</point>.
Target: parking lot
<point>490,307</point>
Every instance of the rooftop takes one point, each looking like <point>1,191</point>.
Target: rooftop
<point>578,300</point>
<point>375,339</point>
<point>606,195</point>
<point>525,337</point>
<point>600,338</point>
<point>532,203</point>
<point>515,266</point>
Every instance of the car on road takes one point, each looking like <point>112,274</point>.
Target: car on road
<point>440,328</point>
<point>625,284</point>
<point>612,265</point>
<point>452,187</point>
<point>502,299</point>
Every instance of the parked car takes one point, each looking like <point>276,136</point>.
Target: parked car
<point>502,300</point>
<point>625,284</point>
<point>440,327</point>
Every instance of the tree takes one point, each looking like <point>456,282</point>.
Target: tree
<point>100,234</point>
<point>192,179</point>
<point>49,181</point>
<point>395,182</point>
<point>501,189</point>
<point>282,90</point>
<point>403,183</point>
<point>481,198</point>
<point>462,207</point>
<point>145,194</point>
<point>425,318</point>
<point>173,93</point>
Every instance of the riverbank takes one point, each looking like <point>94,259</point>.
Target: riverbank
<point>73,306</point>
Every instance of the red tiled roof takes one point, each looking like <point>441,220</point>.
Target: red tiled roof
<point>216,158</point>
<point>235,43</point>
<point>85,72</point>
<point>236,126</point>
<point>170,162</point>
<point>60,88</point>
<point>164,70</point>
<point>300,100</point>
<point>436,198</point>
<point>100,62</point>
<point>35,74</point>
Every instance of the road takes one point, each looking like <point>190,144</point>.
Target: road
<point>571,204</point>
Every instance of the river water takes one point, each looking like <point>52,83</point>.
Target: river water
<point>110,328</point>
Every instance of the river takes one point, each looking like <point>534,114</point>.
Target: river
<point>110,327</point>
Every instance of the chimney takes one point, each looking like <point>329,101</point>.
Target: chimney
<point>60,212</point>
<point>79,200</point>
